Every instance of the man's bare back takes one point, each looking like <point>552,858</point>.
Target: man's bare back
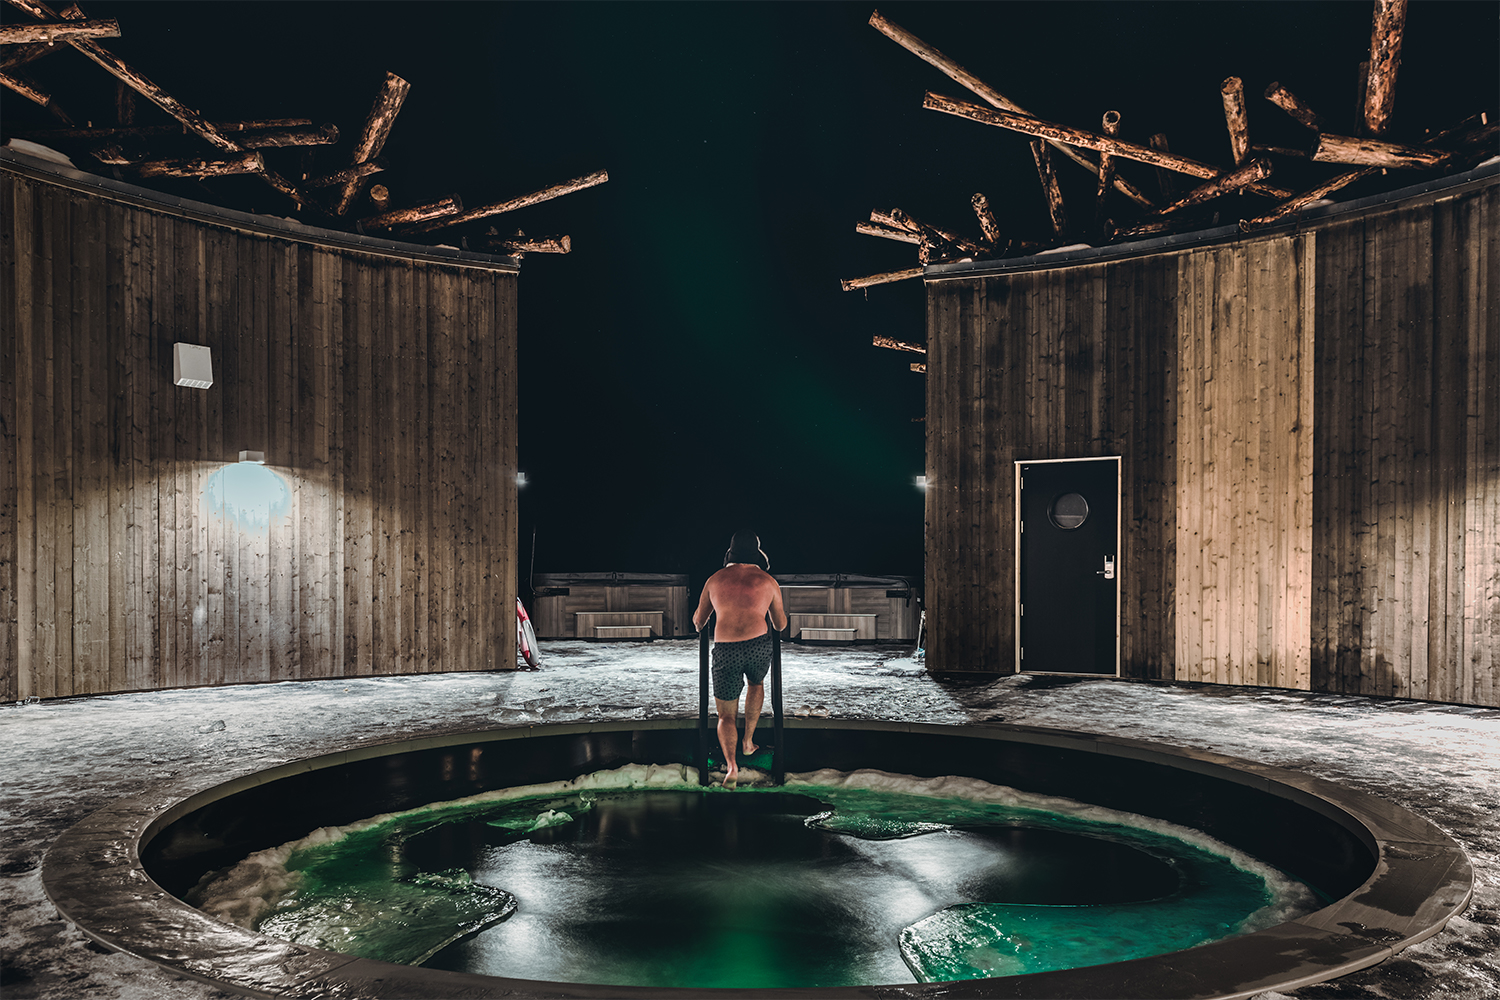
<point>739,596</point>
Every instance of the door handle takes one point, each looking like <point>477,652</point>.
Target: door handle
<point>1108,572</point>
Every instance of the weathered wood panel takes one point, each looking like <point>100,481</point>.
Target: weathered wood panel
<point>555,616</point>
<point>1066,363</point>
<point>10,514</point>
<point>1407,511</point>
<point>381,387</point>
<point>1244,464</point>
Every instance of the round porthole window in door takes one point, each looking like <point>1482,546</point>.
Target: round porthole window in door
<point>1069,511</point>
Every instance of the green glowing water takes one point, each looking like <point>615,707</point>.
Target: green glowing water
<point>827,886</point>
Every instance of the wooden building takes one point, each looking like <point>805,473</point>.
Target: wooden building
<point>378,380</point>
<point>612,606</point>
<point>1303,428</point>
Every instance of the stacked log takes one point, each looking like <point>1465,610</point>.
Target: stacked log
<point>1372,150</point>
<point>240,147</point>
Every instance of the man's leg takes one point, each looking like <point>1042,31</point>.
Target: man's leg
<point>729,735</point>
<point>755,697</point>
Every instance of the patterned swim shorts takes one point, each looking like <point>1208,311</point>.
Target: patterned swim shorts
<point>731,663</point>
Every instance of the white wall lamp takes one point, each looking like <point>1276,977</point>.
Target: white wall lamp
<point>254,457</point>
<point>192,366</point>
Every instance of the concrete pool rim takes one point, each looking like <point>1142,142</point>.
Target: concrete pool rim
<point>94,875</point>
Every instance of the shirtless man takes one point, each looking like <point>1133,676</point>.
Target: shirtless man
<point>739,595</point>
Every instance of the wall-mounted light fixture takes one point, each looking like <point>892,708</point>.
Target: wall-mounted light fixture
<point>920,482</point>
<point>520,479</point>
<point>192,366</point>
<point>258,457</point>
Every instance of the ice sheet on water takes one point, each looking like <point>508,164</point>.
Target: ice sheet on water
<point>528,820</point>
<point>980,940</point>
<point>1215,898</point>
<point>868,826</point>
<point>407,919</point>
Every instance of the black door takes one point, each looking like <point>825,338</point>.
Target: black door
<point>1069,561</point>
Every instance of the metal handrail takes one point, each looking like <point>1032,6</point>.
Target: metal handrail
<point>778,756</point>
<point>778,759</point>
<point>705,635</point>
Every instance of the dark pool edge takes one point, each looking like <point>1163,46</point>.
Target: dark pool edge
<point>94,876</point>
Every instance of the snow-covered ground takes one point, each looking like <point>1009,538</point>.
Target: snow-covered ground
<point>61,760</point>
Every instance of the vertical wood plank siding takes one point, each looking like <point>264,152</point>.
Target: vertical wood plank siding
<point>1048,364</point>
<point>1406,519</point>
<point>1309,427</point>
<point>1244,468</point>
<point>382,390</point>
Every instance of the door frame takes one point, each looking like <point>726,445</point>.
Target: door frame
<point>1016,530</point>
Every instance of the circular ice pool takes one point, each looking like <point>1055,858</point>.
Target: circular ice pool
<point>817,898</point>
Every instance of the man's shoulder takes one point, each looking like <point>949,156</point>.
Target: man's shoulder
<point>743,571</point>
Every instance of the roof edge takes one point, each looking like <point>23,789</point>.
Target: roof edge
<point>34,168</point>
<point>1479,177</point>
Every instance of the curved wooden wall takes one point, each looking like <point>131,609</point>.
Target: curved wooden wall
<point>380,385</point>
<point>1309,425</point>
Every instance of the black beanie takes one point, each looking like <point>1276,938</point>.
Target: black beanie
<point>744,547</point>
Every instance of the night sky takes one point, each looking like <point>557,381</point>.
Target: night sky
<point>693,367</point>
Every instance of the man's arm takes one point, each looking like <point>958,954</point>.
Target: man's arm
<point>778,613</point>
<point>705,608</point>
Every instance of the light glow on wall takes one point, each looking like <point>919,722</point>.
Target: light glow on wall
<point>248,494</point>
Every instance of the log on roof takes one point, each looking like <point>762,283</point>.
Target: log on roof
<point>242,163</point>
<point>21,55</point>
<point>364,169</point>
<point>20,84</point>
<point>520,243</point>
<point>850,284</point>
<point>1068,135</point>
<point>1372,152</point>
<point>1110,123</point>
<point>121,70</point>
<point>48,33</point>
<point>1233,93</point>
<point>1250,173</point>
<point>988,225</point>
<point>522,201</point>
<point>887,232</point>
<point>441,208</point>
<point>1386,31</point>
<point>959,75</point>
<point>1041,152</point>
<point>144,131</point>
<point>897,345</point>
<point>1294,106</point>
<point>372,137</point>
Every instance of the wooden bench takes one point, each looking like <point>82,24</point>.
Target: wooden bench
<point>831,636</point>
<point>608,624</point>
<point>863,625</point>
<point>622,632</point>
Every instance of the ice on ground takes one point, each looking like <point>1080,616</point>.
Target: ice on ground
<point>65,758</point>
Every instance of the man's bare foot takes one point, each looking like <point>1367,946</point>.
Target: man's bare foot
<point>732,778</point>
<point>748,748</point>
